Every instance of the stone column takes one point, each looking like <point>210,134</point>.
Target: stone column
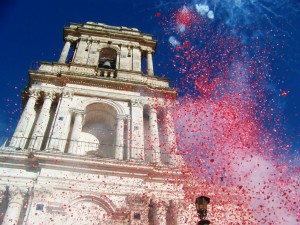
<point>118,60</point>
<point>161,214</point>
<point>76,131</point>
<point>119,152</point>
<point>171,137</point>
<point>26,121</point>
<point>149,63</point>
<point>152,214</point>
<point>65,51</point>
<point>154,138</point>
<point>42,122</point>
<point>127,139</point>
<point>172,214</point>
<point>61,126</point>
<point>181,213</point>
<point>137,130</point>
<point>16,197</point>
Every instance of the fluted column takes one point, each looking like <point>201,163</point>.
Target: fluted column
<point>154,138</point>
<point>26,121</point>
<point>76,131</point>
<point>42,122</point>
<point>119,152</point>
<point>137,130</point>
<point>149,63</point>
<point>171,137</point>
<point>16,197</point>
<point>65,51</point>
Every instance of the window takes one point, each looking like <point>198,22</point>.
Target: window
<point>39,207</point>
<point>137,216</point>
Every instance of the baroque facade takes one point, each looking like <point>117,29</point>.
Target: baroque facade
<point>95,143</point>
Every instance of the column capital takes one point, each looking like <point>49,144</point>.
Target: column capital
<point>77,111</point>
<point>146,49</point>
<point>67,94</point>
<point>49,95</point>
<point>2,191</point>
<point>71,39</point>
<point>152,109</point>
<point>34,93</point>
<point>3,188</point>
<point>137,102</point>
<point>15,191</point>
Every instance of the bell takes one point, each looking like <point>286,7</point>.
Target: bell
<point>106,64</point>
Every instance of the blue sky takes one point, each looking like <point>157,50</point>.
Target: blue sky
<point>31,31</point>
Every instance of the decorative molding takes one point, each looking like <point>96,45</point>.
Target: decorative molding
<point>110,46</point>
<point>136,200</point>
<point>77,111</point>
<point>71,39</point>
<point>152,109</point>
<point>34,93</point>
<point>147,49</point>
<point>49,95</point>
<point>67,94</point>
<point>42,189</point>
<point>122,117</point>
<point>137,103</point>
<point>118,107</point>
<point>17,193</point>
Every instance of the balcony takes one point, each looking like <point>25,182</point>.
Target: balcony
<point>72,148</point>
<point>101,73</point>
<point>52,145</point>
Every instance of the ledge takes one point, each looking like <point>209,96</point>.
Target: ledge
<point>74,163</point>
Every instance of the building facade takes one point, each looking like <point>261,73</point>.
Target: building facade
<point>95,143</point>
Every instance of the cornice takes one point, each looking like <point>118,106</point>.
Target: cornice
<point>81,164</point>
<point>110,34</point>
<point>63,79</point>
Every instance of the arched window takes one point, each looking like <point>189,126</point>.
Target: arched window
<point>108,58</point>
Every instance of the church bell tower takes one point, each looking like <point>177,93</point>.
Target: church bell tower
<point>95,143</point>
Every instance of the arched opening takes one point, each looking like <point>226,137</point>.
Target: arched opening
<point>100,124</point>
<point>86,213</point>
<point>108,58</point>
<point>87,210</point>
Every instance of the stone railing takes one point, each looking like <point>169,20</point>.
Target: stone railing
<point>94,71</point>
<point>67,146</point>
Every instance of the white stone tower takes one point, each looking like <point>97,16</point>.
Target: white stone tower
<point>95,143</point>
